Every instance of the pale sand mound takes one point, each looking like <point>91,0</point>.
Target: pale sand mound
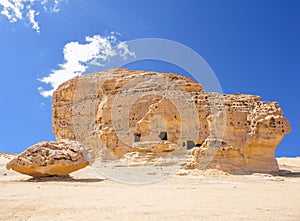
<point>188,195</point>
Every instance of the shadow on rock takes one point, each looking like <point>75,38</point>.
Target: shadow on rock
<point>288,173</point>
<point>63,179</point>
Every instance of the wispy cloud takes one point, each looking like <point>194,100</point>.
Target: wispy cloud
<point>19,10</point>
<point>98,50</point>
<point>31,16</point>
<point>52,6</point>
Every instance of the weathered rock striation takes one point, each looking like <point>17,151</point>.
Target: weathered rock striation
<point>121,113</point>
<point>50,158</point>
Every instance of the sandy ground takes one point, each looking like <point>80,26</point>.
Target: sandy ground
<point>196,195</point>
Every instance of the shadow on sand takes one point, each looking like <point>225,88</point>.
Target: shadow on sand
<point>63,179</point>
<point>288,173</point>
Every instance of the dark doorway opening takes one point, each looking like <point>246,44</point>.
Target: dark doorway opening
<point>163,136</point>
<point>137,137</point>
<point>190,144</point>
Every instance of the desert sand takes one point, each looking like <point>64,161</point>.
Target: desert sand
<point>186,195</point>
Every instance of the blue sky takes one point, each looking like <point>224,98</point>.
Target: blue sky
<point>252,46</point>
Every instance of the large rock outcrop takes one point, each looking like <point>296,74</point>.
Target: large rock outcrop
<point>50,158</point>
<point>120,112</point>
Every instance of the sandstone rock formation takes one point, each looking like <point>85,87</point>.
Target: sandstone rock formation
<point>122,113</point>
<point>50,158</point>
<point>253,130</point>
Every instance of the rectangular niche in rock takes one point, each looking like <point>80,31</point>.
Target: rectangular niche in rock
<point>163,135</point>
<point>190,144</point>
<point>137,137</point>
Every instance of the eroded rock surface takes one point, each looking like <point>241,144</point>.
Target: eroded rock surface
<point>122,113</point>
<point>50,158</point>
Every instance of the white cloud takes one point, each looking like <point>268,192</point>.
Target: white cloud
<point>124,51</point>
<point>97,50</point>
<point>31,15</point>
<point>53,8</point>
<point>19,10</point>
<point>12,9</point>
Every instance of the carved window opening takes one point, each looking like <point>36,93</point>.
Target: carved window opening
<point>272,123</point>
<point>163,135</point>
<point>137,137</point>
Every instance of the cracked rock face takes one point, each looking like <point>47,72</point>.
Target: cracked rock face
<point>50,158</point>
<point>123,113</point>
